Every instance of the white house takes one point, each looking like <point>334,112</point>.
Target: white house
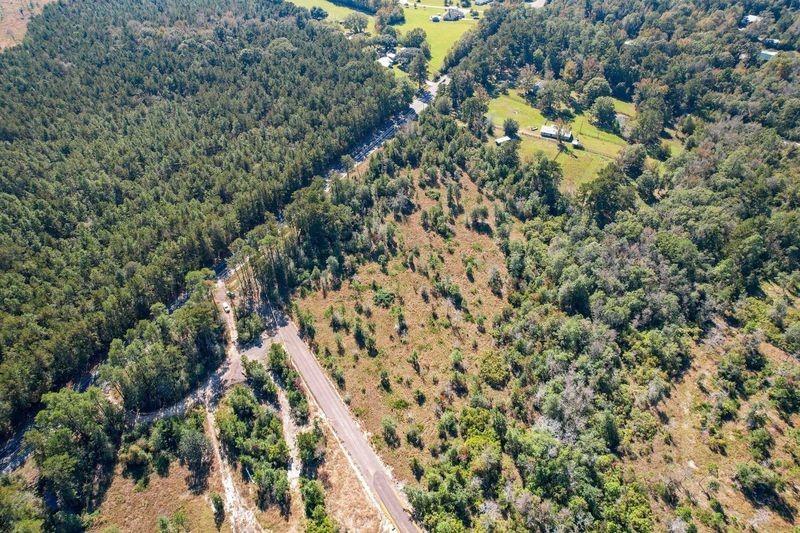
<point>501,140</point>
<point>551,132</point>
<point>386,61</point>
<point>766,55</point>
<point>750,19</point>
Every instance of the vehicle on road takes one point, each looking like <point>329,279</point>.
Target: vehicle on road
<point>226,307</point>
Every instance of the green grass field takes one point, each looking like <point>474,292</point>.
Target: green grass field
<point>441,35</point>
<point>600,147</point>
<point>626,108</point>
<point>335,13</point>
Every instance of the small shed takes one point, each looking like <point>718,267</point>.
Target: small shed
<point>385,61</point>
<point>501,140</point>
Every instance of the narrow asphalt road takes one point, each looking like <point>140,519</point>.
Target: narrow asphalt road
<point>344,426</point>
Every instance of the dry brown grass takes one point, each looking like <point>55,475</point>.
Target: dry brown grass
<point>127,508</point>
<point>271,518</point>
<point>14,17</point>
<point>434,329</point>
<point>688,460</point>
<point>345,498</point>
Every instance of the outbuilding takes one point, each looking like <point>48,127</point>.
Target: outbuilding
<point>750,19</point>
<point>501,140</point>
<point>453,13</point>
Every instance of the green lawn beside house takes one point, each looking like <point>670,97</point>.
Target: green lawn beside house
<point>579,165</point>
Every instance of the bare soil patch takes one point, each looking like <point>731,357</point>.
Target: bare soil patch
<point>14,17</point>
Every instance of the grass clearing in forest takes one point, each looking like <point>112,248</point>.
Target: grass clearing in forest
<point>336,13</point>
<point>579,166</point>
<point>129,505</point>
<point>441,35</point>
<point>386,384</point>
<point>703,464</point>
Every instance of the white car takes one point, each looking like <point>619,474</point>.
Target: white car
<point>226,307</point>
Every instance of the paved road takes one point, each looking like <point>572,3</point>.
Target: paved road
<point>386,132</point>
<point>344,425</point>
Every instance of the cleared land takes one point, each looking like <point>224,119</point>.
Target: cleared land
<point>435,328</point>
<point>336,13</point>
<point>600,147</point>
<point>686,459</point>
<point>131,506</point>
<point>441,35</point>
<point>14,17</point>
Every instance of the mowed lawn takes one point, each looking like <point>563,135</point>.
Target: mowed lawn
<point>335,13</point>
<point>441,35</point>
<point>579,166</point>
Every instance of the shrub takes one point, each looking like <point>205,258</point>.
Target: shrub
<point>389,426</point>
<point>383,298</point>
<point>760,443</point>
<point>785,393</point>
<point>414,435</point>
<point>494,369</point>
<point>496,282</point>
<point>756,481</point>
<point>219,509</point>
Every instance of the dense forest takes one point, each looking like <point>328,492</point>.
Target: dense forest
<point>138,140</point>
<point>176,133</point>
<point>163,358</point>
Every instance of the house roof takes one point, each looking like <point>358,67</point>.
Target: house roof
<point>550,128</point>
<point>767,54</point>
